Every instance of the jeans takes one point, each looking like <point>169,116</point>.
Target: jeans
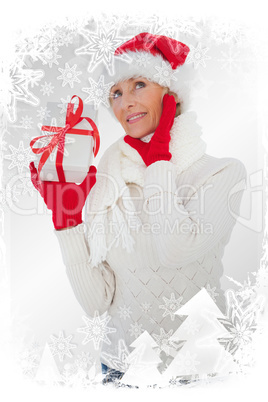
<point>111,374</point>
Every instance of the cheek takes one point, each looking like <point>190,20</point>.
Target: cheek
<point>116,111</point>
<point>157,111</point>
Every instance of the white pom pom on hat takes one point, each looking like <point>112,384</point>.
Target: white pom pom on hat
<point>157,58</point>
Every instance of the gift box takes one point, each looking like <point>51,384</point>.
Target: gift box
<point>67,150</point>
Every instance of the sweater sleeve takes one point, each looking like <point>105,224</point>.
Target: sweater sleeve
<point>93,287</point>
<point>191,226</point>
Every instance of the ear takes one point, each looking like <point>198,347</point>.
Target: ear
<point>178,107</point>
<point>175,96</point>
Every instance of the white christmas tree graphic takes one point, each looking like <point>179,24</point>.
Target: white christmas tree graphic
<point>143,362</point>
<point>48,371</point>
<point>201,354</point>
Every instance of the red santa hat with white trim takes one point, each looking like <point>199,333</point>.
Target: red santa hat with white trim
<point>159,59</point>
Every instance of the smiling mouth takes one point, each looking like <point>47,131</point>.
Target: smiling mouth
<point>136,117</point>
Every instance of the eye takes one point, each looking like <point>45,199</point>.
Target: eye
<point>116,94</point>
<point>140,84</point>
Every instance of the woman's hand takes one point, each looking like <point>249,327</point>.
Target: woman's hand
<point>158,148</point>
<point>65,200</point>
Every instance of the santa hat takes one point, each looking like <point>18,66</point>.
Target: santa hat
<point>159,59</point>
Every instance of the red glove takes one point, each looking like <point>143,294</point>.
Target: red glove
<point>65,200</point>
<point>158,148</point>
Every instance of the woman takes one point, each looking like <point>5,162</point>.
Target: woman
<point>159,213</point>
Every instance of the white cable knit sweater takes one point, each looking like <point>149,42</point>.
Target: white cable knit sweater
<point>178,248</point>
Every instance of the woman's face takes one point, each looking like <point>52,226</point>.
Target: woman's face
<point>137,105</point>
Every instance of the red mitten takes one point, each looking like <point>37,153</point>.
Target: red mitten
<point>65,200</point>
<point>158,148</point>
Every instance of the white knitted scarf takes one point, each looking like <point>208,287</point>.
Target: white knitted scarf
<point>121,164</point>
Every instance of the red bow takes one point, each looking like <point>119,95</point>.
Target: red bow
<point>59,139</point>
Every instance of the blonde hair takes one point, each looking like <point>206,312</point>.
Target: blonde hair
<point>178,109</point>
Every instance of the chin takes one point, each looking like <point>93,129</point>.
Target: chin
<point>141,133</point>
<point>144,134</point>
<point>137,136</point>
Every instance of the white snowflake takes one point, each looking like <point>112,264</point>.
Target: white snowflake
<point>171,306</point>
<point>28,363</point>
<point>15,83</point>
<point>118,360</point>
<point>8,195</point>
<point>125,312</point>
<point>146,307</point>
<point>20,157</point>
<point>63,105</point>
<point>242,319</point>
<point>246,289</point>
<point>143,59</point>
<point>191,326</point>
<point>63,36</point>
<point>174,382</point>
<point>197,55</point>
<point>163,341</point>
<point>77,377</point>
<point>33,77</point>
<point>69,370</point>
<point>26,135</point>
<point>43,113</point>
<point>160,25</point>
<point>26,185</point>
<point>226,31</point>
<point>98,92</point>
<point>49,37</point>
<point>3,145</point>
<point>111,21</point>
<point>47,88</point>
<point>26,122</point>
<point>30,48</point>
<point>212,292</point>
<point>84,361</point>
<point>68,374</point>
<point>101,45</point>
<point>188,26</point>
<point>262,274</point>
<point>230,60</point>
<point>61,346</point>
<point>69,75</point>
<point>50,57</point>
<point>135,330</point>
<point>62,121</point>
<point>245,358</point>
<point>187,362</point>
<point>36,347</point>
<point>165,74</point>
<point>47,138</point>
<point>96,330</point>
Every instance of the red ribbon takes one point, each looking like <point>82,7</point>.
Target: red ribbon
<point>59,138</point>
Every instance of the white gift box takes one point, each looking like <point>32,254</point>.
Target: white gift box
<point>78,152</point>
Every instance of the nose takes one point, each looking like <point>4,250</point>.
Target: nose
<point>128,100</point>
